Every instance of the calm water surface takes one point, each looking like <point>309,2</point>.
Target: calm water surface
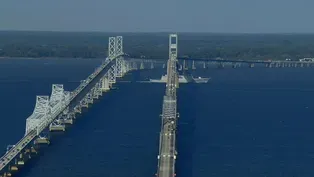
<point>245,122</point>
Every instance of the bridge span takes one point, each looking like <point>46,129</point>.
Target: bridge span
<point>167,142</point>
<point>184,63</point>
<point>54,112</point>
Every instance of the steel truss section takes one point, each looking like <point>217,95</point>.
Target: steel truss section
<point>39,113</point>
<point>119,45</point>
<point>97,90</point>
<point>112,74</point>
<point>78,109</point>
<point>119,63</point>
<point>112,48</point>
<point>89,97</point>
<point>105,86</point>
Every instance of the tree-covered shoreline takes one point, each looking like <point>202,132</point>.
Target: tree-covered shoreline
<point>23,44</point>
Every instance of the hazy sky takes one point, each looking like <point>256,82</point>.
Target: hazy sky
<point>250,16</point>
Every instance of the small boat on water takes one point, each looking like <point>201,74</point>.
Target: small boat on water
<point>163,79</point>
<point>182,79</point>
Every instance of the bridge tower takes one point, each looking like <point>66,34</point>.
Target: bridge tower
<point>55,102</point>
<point>41,109</point>
<point>119,51</point>
<point>173,54</point>
<point>111,56</point>
<point>173,46</point>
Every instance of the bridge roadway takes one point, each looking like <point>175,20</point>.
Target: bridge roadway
<point>244,61</point>
<point>167,144</point>
<point>76,95</point>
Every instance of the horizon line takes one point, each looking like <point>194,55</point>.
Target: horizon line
<point>168,32</point>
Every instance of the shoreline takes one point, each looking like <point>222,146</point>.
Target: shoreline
<point>47,58</point>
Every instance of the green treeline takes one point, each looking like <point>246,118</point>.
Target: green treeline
<point>155,45</point>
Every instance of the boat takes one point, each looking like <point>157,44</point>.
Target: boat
<point>200,80</point>
<point>163,79</point>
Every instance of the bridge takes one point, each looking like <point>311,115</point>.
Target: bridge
<point>167,141</point>
<point>221,63</point>
<point>54,112</point>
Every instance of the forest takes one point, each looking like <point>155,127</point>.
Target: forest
<point>155,45</point>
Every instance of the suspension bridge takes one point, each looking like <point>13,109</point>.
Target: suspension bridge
<point>186,63</point>
<point>52,113</point>
<point>167,142</point>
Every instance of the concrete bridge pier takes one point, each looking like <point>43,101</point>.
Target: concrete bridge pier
<point>105,86</point>
<point>193,65</point>
<point>221,65</point>
<point>204,65</point>
<point>57,125</point>
<point>142,65</point>
<point>77,109</point>
<point>277,65</point>
<point>20,160</point>
<point>89,98</point>
<point>84,103</point>
<point>185,65</point>
<point>180,68</point>
<point>152,65</point>
<point>42,139</point>
<point>282,65</point>
<point>235,65</point>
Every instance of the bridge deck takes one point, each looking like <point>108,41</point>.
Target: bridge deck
<point>75,96</point>
<point>167,147</point>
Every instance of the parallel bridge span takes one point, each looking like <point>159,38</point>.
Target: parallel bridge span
<point>167,142</point>
<point>61,107</point>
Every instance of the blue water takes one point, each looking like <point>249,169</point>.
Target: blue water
<point>246,122</point>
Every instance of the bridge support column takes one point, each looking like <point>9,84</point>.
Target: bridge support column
<point>204,65</point>
<point>84,103</point>
<point>185,67</point>
<point>57,125</point>
<point>125,67</point>
<point>78,109</point>
<point>142,65</point>
<point>193,65</point>
<point>42,140</point>
<point>221,65</point>
<point>89,97</point>
<point>151,65</point>
<point>69,118</point>
<point>119,72</point>
<point>105,84</point>
<point>112,74</point>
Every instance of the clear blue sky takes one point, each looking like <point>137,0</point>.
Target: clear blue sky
<point>239,16</point>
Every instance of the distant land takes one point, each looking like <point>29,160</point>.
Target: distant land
<point>31,44</point>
